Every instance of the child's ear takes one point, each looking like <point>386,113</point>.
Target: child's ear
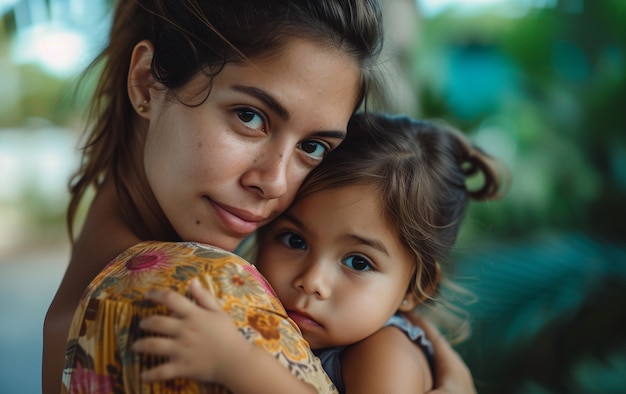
<point>140,78</point>
<point>412,300</point>
<point>409,302</point>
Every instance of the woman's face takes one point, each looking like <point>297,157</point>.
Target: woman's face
<point>222,168</point>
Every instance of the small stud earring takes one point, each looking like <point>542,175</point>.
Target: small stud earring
<point>405,302</point>
<point>142,106</point>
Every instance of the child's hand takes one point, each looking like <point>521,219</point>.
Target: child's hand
<point>201,341</point>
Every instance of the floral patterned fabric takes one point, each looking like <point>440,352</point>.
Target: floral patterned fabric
<point>98,356</point>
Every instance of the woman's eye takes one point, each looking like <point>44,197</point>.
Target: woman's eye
<point>293,241</point>
<point>251,119</point>
<point>314,149</point>
<point>357,263</point>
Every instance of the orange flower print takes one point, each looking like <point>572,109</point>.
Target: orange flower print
<point>235,281</point>
<point>114,302</point>
<point>266,325</point>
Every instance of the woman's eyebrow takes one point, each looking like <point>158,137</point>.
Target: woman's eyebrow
<point>262,95</point>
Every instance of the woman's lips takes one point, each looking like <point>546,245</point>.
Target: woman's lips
<point>238,221</point>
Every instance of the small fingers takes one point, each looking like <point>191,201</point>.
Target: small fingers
<point>164,371</point>
<point>161,325</point>
<point>203,296</point>
<point>178,304</point>
<point>155,346</point>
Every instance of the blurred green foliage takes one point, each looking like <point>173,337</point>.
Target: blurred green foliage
<point>29,92</point>
<point>551,86</point>
<point>546,93</point>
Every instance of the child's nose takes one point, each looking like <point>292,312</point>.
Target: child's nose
<point>315,281</point>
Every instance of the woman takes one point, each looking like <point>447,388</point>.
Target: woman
<point>207,117</point>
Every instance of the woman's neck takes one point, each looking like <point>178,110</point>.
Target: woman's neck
<point>105,233</point>
<point>136,202</point>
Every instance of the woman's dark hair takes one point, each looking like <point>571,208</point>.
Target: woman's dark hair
<point>192,36</point>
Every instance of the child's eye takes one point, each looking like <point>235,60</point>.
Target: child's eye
<point>293,241</point>
<point>358,263</point>
<point>251,118</point>
<point>315,149</point>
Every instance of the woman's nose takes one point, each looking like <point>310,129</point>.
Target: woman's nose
<point>268,175</point>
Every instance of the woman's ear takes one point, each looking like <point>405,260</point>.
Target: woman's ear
<point>409,302</point>
<point>140,78</point>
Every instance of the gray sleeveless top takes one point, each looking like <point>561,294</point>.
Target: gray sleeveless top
<point>332,364</point>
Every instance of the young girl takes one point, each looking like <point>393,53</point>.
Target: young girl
<point>362,244</point>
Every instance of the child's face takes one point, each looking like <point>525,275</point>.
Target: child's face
<point>336,265</point>
<point>234,161</point>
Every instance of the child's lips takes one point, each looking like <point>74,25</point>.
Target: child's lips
<point>302,319</point>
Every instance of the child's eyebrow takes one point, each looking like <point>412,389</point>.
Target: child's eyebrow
<point>290,218</point>
<point>373,243</point>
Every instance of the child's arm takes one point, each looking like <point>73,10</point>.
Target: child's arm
<point>201,342</point>
<point>385,362</point>
<point>453,375</point>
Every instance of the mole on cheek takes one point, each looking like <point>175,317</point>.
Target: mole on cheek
<point>199,144</point>
<point>197,222</point>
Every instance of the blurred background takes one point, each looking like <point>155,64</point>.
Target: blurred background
<point>540,84</point>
